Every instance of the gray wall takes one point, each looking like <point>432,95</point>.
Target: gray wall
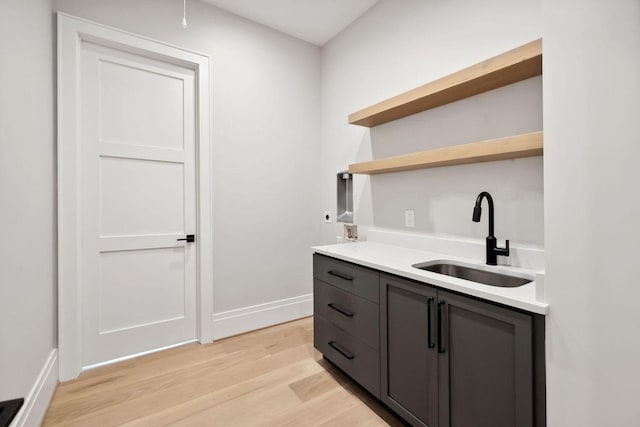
<point>402,44</point>
<point>27,194</point>
<point>265,121</point>
<point>592,208</point>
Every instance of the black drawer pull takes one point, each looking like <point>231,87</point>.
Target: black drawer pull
<point>342,351</point>
<point>340,275</point>
<point>440,333</point>
<point>340,309</point>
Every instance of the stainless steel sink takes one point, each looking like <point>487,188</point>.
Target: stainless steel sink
<point>474,274</point>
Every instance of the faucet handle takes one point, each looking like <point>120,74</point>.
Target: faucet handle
<point>503,251</point>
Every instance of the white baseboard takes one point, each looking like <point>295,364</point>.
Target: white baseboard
<point>37,401</point>
<point>234,322</point>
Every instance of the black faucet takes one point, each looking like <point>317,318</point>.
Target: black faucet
<point>492,248</point>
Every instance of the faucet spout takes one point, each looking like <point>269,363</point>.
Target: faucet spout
<point>477,210</point>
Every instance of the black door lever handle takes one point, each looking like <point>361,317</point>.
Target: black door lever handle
<point>189,239</point>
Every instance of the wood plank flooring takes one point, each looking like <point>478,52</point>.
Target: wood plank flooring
<point>270,377</point>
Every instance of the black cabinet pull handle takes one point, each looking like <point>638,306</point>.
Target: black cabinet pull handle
<point>342,351</point>
<point>340,309</point>
<point>441,348</point>
<point>340,275</point>
<point>429,315</point>
<point>189,239</point>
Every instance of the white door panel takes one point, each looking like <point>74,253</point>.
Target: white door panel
<point>141,197</point>
<point>138,192</point>
<point>158,277</point>
<point>140,107</point>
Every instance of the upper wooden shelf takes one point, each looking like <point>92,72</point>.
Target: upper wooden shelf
<point>510,67</point>
<point>511,147</point>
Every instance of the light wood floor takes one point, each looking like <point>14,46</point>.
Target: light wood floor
<point>271,377</point>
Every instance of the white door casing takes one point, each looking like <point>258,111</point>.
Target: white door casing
<point>132,178</point>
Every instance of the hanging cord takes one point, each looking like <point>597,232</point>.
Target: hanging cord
<point>184,14</point>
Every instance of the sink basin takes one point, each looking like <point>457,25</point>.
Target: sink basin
<point>474,274</point>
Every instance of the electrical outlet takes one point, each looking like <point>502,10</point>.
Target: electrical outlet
<point>327,217</point>
<point>410,218</point>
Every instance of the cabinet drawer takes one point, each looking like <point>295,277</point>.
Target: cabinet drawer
<point>352,278</point>
<point>350,354</point>
<point>355,315</point>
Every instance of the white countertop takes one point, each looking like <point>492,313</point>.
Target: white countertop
<point>399,260</point>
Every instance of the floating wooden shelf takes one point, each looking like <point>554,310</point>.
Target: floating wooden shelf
<point>510,67</point>
<point>511,147</point>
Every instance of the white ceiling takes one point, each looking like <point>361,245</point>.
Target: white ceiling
<point>315,21</point>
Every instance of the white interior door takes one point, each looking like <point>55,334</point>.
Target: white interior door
<point>138,186</point>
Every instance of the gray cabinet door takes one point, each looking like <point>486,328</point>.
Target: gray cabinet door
<point>485,364</point>
<point>349,277</point>
<point>353,356</point>
<point>409,357</point>
<point>357,316</point>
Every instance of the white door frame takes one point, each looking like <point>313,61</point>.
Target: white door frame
<point>71,32</point>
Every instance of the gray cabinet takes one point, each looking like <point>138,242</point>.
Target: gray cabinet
<point>450,360</point>
<point>485,364</point>
<point>357,280</point>
<point>408,350</point>
<point>436,358</point>
<point>346,319</point>
<point>349,353</point>
<point>357,316</point>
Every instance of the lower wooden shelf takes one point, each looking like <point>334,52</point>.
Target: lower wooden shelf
<point>511,147</point>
